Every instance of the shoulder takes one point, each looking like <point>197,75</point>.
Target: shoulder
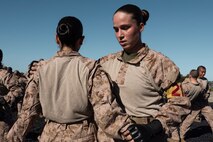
<point>6,68</point>
<point>88,62</point>
<point>164,70</point>
<point>5,71</point>
<point>109,57</point>
<point>22,78</point>
<point>187,84</point>
<point>11,78</point>
<point>202,80</point>
<point>186,81</point>
<point>158,57</point>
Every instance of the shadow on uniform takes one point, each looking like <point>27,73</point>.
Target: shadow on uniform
<point>211,104</point>
<point>200,132</point>
<point>36,130</point>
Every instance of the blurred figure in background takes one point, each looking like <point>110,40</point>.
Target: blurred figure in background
<point>198,94</point>
<point>12,87</point>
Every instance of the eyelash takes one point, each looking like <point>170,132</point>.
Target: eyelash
<point>122,28</point>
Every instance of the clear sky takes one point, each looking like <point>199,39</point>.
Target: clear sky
<point>180,29</point>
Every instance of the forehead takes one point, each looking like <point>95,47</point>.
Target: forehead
<point>121,18</point>
<point>202,70</point>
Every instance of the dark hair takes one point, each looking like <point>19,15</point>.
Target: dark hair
<point>141,16</point>
<point>199,67</point>
<point>194,73</point>
<point>69,29</point>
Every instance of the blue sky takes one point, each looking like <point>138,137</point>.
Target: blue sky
<point>180,29</point>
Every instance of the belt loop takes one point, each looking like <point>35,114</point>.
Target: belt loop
<point>66,125</point>
<point>150,119</point>
<point>141,120</point>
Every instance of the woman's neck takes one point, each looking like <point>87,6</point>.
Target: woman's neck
<point>136,48</point>
<point>193,80</point>
<point>66,48</point>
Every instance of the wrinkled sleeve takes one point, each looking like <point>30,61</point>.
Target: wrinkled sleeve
<point>173,113</point>
<point>30,108</point>
<point>163,70</point>
<point>108,114</point>
<point>165,74</point>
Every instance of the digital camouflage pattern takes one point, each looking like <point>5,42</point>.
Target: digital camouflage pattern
<point>144,79</point>
<point>173,113</point>
<point>85,132</point>
<point>107,114</point>
<point>12,86</point>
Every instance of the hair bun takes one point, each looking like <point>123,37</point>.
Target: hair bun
<point>63,29</point>
<point>69,29</point>
<point>145,15</point>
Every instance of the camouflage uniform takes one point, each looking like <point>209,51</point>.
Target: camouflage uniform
<point>199,105</point>
<point>191,91</point>
<point>12,86</point>
<point>141,82</point>
<point>96,105</point>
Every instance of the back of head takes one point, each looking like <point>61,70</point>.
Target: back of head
<point>201,67</point>
<point>69,29</point>
<point>194,73</point>
<point>141,16</point>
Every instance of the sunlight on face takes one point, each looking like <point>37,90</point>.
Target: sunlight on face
<point>127,31</point>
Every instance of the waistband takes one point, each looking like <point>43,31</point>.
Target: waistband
<point>142,120</point>
<point>84,122</point>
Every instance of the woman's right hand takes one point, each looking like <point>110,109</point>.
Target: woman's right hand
<point>32,67</point>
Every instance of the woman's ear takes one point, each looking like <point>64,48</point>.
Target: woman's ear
<point>141,26</point>
<point>78,43</point>
<point>81,40</point>
<point>57,40</point>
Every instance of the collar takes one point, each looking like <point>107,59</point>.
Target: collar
<point>140,55</point>
<point>67,53</point>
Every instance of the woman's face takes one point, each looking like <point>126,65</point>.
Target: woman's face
<point>127,31</point>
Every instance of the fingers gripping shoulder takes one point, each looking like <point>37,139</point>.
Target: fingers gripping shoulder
<point>34,66</point>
